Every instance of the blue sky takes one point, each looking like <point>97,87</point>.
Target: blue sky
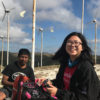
<point>63,15</point>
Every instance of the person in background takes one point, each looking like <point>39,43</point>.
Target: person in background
<point>11,71</point>
<point>76,78</point>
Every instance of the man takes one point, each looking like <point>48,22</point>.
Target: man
<point>15,69</point>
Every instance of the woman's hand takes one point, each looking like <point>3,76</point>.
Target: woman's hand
<point>39,81</point>
<point>49,82</point>
<point>52,90</point>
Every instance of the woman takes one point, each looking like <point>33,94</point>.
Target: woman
<point>76,78</point>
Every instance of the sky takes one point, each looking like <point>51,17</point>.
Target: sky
<point>64,16</point>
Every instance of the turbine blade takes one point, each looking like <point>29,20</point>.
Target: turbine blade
<point>89,22</point>
<point>3,17</point>
<point>3,6</point>
<point>12,9</point>
<point>51,29</point>
<point>22,13</point>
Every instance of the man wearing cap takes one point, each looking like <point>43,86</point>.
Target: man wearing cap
<point>11,71</point>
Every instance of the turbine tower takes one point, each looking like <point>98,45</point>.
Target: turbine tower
<point>95,48</point>
<point>2,38</point>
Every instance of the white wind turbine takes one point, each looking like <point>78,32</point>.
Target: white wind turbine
<point>7,11</point>
<point>42,30</point>
<point>95,48</point>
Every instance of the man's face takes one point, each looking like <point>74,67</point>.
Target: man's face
<point>23,59</point>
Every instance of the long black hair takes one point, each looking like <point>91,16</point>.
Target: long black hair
<point>63,56</point>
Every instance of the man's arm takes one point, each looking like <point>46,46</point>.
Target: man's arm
<point>6,82</point>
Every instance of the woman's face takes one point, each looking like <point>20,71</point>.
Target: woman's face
<point>74,47</point>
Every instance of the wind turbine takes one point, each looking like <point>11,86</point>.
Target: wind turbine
<point>95,22</point>
<point>41,30</point>
<point>7,11</point>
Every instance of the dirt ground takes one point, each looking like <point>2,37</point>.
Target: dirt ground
<point>48,72</point>
<point>51,71</point>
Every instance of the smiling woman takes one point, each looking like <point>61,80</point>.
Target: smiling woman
<point>76,78</point>
<point>74,47</point>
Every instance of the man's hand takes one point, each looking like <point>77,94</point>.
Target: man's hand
<point>2,95</point>
<point>6,82</point>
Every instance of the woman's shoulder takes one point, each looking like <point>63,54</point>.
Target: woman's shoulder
<point>85,65</point>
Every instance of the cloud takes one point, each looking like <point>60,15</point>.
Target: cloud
<point>62,15</point>
<point>17,35</point>
<point>17,32</point>
<point>92,46</point>
<point>59,11</point>
<point>93,41</point>
<point>94,8</point>
<point>52,4</point>
<point>26,41</point>
<point>16,29</point>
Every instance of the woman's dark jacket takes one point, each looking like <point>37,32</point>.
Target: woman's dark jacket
<point>84,84</point>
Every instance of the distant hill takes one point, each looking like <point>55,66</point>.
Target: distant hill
<point>12,57</point>
<point>47,59</point>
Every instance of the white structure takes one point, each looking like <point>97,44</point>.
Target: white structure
<point>33,34</point>
<point>41,30</point>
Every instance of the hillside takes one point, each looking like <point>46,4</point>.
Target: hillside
<point>47,59</point>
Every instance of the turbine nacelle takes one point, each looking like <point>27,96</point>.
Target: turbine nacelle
<point>94,21</point>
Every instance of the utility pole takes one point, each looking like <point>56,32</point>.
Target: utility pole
<point>82,16</point>
<point>33,34</point>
